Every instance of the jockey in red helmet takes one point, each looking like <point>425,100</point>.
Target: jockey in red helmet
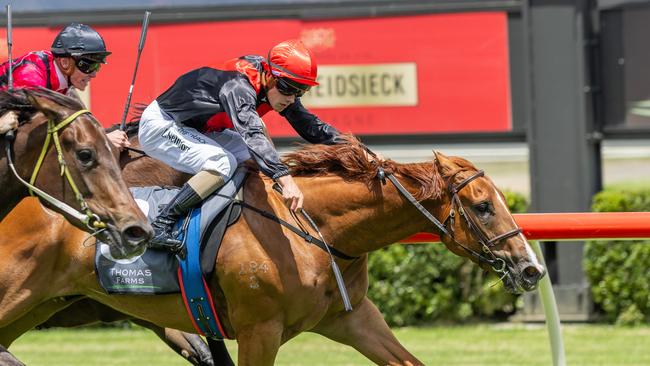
<point>209,121</point>
<point>293,66</point>
<point>76,56</point>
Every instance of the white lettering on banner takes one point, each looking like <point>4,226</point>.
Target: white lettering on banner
<point>124,276</point>
<point>130,272</point>
<point>364,85</point>
<point>129,281</point>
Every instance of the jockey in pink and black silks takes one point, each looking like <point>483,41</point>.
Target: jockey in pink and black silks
<point>76,56</point>
<point>209,121</point>
<point>35,69</point>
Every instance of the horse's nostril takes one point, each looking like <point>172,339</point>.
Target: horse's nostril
<point>135,234</point>
<point>532,273</point>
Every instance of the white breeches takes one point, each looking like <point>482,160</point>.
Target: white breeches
<point>186,149</point>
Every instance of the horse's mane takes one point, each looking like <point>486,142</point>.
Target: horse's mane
<point>350,161</point>
<point>20,100</point>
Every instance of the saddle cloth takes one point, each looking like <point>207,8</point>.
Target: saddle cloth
<point>155,271</point>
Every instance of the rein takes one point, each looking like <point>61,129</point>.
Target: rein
<point>87,217</point>
<point>304,235</point>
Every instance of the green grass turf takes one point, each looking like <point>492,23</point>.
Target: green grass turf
<point>489,344</point>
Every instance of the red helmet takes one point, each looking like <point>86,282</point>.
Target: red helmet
<point>292,60</point>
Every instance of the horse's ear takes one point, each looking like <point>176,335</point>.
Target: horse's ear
<point>45,105</point>
<point>440,160</point>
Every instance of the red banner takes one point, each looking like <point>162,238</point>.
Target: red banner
<point>393,75</point>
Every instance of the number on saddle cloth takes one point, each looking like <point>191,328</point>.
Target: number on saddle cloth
<point>154,272</point>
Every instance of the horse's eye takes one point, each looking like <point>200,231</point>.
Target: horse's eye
<point>483,209</point>
<point>86,157</point>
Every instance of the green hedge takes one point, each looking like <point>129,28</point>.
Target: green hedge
<point>619,271</point>
<point>423,283</point>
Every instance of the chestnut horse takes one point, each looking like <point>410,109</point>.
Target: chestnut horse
<point>63,150</point>
<point>270,285</point>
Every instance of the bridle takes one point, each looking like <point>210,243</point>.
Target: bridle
<point>488,256</point>
<point>497,264</point>
<point>86,216</point>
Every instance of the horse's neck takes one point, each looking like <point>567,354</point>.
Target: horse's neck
<point>357,220</point>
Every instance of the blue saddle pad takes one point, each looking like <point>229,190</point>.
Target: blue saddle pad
<point>155,271</point>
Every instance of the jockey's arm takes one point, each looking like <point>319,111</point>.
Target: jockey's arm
<point>239,100</point>
<point>266,133</point>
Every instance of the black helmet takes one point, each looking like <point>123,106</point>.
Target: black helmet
<point>77,40</point>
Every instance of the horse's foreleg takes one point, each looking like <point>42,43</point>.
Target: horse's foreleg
<point>258,344</point>
<point>7,359</point>
<point>365,330</point>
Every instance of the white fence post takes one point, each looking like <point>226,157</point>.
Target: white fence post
<point>550,311</point>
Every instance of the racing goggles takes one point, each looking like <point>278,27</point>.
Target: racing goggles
<point>87,65</point>
<point>289,87</point>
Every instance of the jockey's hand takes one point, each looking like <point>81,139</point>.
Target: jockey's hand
<point>291,194</point>
<point>119,139</point>
<point>8,122</point>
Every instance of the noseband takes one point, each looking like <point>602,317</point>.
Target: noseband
<point>87,217</point>
<point>497,264</point>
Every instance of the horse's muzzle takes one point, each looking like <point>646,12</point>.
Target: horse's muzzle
<point>531,274</point>
<point>136,235</point>
<point>128,242</point>
<point>527,275</point>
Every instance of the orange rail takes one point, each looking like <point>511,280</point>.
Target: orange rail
<point>573,226</point>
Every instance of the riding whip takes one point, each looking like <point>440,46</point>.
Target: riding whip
<point>9,136</point>
<point>335,268</point>
<point>143,37</point>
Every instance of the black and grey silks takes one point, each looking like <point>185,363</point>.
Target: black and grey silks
<point>198,95</point>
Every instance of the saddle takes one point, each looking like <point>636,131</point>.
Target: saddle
<point>155,271</point>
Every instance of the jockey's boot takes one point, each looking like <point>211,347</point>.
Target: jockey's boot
<point>192,193</point>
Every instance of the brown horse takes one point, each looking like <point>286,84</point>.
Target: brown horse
<point>39,257</point>
<point>78,167</point>
<point>138,170</point>
<point>271,285</point>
